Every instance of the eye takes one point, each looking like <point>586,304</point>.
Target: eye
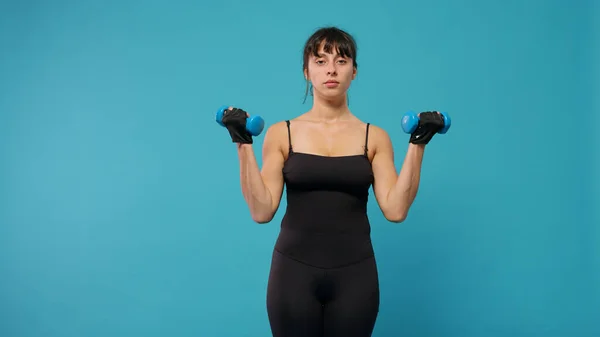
<point>342,61</point>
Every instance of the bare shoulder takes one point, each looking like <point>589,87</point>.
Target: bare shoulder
<point>275,137</point>
<point>277,130</point>
<point>380,140</point>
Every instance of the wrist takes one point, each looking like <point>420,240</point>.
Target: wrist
<point>243,146</point>
<point>416,147</point>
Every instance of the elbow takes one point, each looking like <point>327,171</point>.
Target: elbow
<point>261,213</point>
<point>396,219</point>
<point>262,218</point>
<point>396,216</point>
<point>261,221</point>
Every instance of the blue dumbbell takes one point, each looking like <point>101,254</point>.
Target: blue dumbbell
<point>254,124</point>
<point>410,121</point>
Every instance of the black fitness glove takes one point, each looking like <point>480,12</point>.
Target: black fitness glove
<point>430,122</point>
<point>235,122</point>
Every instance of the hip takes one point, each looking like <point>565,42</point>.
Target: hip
<point>324,250</point>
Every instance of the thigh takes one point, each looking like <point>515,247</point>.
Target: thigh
<point>354,307</point>
<point>292,306</point>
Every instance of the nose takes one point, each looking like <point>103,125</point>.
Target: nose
<point>331,69</point>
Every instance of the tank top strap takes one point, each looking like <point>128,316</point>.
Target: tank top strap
<point>367,141</point>
<point>287,122</point>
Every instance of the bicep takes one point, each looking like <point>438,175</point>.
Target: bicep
<point>272,166</point>
<point>384,169</point>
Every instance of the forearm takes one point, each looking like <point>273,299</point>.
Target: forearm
<point>255,192</point>
<point>404,191</point>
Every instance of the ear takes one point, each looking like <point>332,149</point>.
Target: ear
<point>354,73</point>
<point>306,74</point>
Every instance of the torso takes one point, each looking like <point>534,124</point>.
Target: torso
<point>327,173</point>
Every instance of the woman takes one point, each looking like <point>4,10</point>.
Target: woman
<point>323,279</point>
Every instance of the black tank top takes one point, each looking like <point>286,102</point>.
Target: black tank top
<point>325,223</point>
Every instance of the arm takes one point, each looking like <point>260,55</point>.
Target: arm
<point>395,193</point>
<point>262,189</point>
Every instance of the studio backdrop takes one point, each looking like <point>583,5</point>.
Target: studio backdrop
<point>121,213</point>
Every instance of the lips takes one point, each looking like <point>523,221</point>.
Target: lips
<point>332,82</point>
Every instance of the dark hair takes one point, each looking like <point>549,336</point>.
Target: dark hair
<point>332,37</point>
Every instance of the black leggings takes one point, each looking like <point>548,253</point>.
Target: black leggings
<point>305,301</point>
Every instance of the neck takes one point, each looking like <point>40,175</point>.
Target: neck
<point>330,110</point>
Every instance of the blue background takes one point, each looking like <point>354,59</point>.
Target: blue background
<point>120,208</point>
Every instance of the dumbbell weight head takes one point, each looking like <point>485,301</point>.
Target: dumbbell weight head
<point>447,123</point>
<point>410,121</point>
<point>220,113</point>
<point>254,124</point>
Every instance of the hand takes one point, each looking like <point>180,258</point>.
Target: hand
<point>234,120</point>
<point>430,122</point>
